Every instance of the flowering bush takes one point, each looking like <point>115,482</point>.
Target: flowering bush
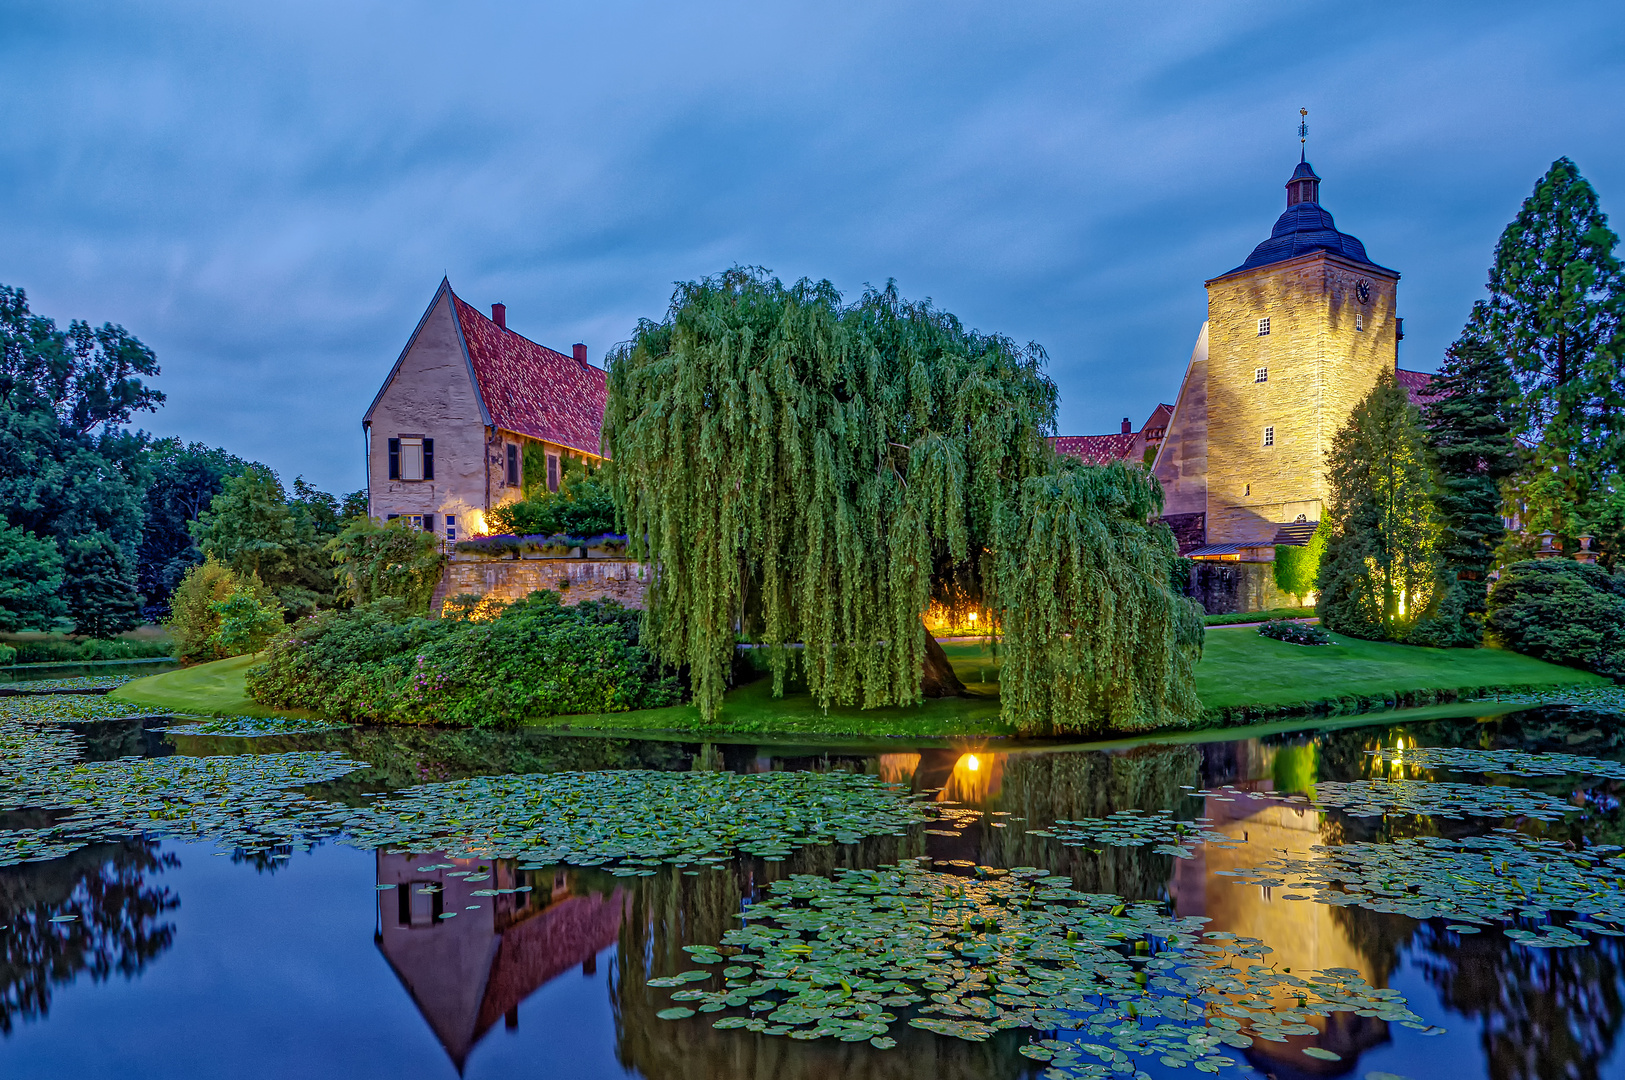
<point>557,544</point>
<point>1295,633</point>
<point>535,658</point>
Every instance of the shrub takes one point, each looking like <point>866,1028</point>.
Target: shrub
<point>581,507</point>
<point>65,651</point>
<point>1295,633</point>
<point>534,658</point>
<point>8,655</point>
<point>248,619</point>
<point>394,560</point>
<point>1563,612</point>
<point>214,614</point>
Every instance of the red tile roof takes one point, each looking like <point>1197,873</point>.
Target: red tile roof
<point>1101,449</point>
<point>531,390</point>
<point>1094,449</point>
<point>1416,384</point>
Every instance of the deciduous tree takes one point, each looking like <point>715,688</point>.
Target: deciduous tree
<point>801,472</point>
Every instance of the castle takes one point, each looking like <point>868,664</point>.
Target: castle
<point>1294,337</point>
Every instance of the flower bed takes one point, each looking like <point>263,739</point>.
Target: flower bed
<point>1295,633</point>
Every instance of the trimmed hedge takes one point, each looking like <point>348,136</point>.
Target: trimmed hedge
<point>64,651</point>
<point>1562,612</point>
<point>535,658</point>
<point>1295,633</point>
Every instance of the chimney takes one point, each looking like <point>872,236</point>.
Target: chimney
<point>499,315</point>
<point>1128,428</point>
<point>580,352</point>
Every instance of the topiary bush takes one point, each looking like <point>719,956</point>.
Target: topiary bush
<point>534,658</point>
<point>1295,633</point>
<point>1563,612</point>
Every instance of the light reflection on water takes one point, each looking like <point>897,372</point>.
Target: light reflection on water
<point>182,961</point>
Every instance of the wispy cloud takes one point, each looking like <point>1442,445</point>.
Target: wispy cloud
<point>268,195</point>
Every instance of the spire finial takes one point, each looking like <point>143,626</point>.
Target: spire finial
<point>1303,134</point>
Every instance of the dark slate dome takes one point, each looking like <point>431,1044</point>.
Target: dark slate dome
<point>1305,227</point>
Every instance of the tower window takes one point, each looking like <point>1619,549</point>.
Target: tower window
<point>1269,436</point>
<point>1359,322</point>
<point>1263,327</point>
<point>1261,374</point>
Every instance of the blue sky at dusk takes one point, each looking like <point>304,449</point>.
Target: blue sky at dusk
<point>269,194</point>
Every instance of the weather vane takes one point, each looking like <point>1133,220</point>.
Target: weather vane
<point>1303,134</point>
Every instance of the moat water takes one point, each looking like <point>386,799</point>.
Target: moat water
<point>179,959</point>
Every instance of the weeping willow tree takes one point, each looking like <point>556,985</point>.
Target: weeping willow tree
<point>809,475</point>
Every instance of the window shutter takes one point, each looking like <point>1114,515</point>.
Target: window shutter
<point>428,522</point>
<point>513,465</point>
<point>428,459</point>
<point>394,459</point>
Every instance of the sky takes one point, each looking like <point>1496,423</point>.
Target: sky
<point>268,195</point>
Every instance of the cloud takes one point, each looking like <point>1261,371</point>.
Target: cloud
<point>269,195</point>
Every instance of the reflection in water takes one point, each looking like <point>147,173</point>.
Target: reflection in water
<point>468,959</point>
<point>117,925</point>
<point>1545,1014</point>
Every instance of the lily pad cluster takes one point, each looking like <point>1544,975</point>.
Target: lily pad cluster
<point>1477,880</point>
<point>80,684</point>
<point>967,956</point>
<point>245,800</point>
<point>641,817</point>
<point>1378,798</point>
<point>252,727</point>
<point>70,709</point>
<point>1138,828</point>
<point>1594,696</point>
<point>1504,762</point>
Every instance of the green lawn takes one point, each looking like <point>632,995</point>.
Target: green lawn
<point>214,689</point>
<point>1240,668</point>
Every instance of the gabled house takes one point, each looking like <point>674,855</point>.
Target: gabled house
<point>467,403</point>
<point>1138,447</point>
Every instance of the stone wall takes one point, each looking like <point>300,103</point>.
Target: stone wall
<point>574,580</point>
<point>1225,587</point>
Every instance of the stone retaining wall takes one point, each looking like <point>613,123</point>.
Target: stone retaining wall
<point>574,580</point>
<point>1226,587</point>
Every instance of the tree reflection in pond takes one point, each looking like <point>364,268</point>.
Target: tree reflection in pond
<point>1545,1014</point>
<point>118,926</point>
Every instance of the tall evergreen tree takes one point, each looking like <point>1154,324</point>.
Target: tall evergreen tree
<point>98,583</point>
<point>1557,313</point>
<point>1380,564</point>
<point>809,473</point>
<point>1469,431</point>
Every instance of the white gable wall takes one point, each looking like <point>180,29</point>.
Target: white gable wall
<point>431,394</point>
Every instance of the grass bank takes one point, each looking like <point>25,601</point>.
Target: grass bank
<point>1243,678</point>
<point>215,689</point>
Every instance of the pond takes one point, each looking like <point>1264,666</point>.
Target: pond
<point>1337,901</point>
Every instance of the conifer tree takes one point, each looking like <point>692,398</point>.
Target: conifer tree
<point>1557,313</point>
<point>810,475</point>
<point>1380,563</point>
<point>1469,432</point>
<point>99,586</point>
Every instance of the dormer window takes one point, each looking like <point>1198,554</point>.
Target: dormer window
<point>1263,327</point>
<point>1261,374</point>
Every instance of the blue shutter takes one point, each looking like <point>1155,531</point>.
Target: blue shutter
<point>428,459</point>
<point>394,459</point>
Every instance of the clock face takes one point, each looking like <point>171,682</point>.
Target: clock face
<point>1362,289</point>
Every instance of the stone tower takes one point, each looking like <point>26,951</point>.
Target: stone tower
<point>1295,337</point>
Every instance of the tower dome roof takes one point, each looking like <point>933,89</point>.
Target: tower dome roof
<point>1305,226</point>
